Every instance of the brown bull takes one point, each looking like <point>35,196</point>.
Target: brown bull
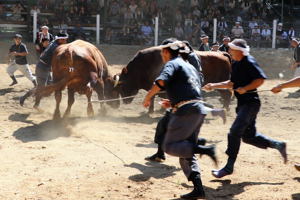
<point>146,65</point>
<point>80,67</point>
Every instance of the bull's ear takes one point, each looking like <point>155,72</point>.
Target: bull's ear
<point>124,70</point>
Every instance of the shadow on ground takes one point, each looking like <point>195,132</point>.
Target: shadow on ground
<point>44,131</point>
<point>5,91</point>
<point>227,191</point>
<point>19,117</point>
<point>150,169</point>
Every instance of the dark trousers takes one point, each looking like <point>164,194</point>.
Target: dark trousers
<point>244,128</point>
<point>181,139</point>
<point>161,128</point>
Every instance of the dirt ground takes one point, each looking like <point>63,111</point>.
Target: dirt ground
<point>103,157</point>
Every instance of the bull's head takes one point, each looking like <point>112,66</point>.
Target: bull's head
<point>111,92</point>
<point>124,85</point>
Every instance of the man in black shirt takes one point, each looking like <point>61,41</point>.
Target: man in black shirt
<point>43,67</point>
<point>296,65</point>
<point>246,77</point>
<point>182,84</point>
<point>18,53</point>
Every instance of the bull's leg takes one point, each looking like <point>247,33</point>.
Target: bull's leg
<point>90,110</point>
<point>99,88</point>
<point>58,95</point>
<point>71,100</point>
<point>151,107</point>
<point>226,98</point>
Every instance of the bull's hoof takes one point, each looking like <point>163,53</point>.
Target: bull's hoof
<point>103,111</point>
<point>90,113</point>
<point>56,116</point>
<point>66,115</point>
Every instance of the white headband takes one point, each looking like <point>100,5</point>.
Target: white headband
<point>59,38</point>
<point>242,49</point>
<point>174,45</point>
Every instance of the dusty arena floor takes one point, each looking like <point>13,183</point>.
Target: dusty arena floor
<point>103,157</point>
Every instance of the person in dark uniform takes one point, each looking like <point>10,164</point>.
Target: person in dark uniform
<point>296,64</point>
<point>189,55</point>
<point>182,84</point>
<point>246,77</point>
<point>295,82</point>
<point>43,67</point>
<point>204,46</point>
<point>224,46</point>
<point>18,61</point>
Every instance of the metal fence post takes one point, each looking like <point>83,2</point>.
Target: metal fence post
<point>34,26</point>
<point>274,34</point>
<point>156,32</point>
<point>98,29</point>
<point>215,30</point>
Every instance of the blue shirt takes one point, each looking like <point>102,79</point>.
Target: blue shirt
<point>243,73</point>
<point>46,56</point>
<point>182,83</point>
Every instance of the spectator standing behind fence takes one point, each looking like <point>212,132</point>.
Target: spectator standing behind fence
<point>147,33</point>
<point>34,9</point>
<point>17,9</point>
<point>224,46</point>
<point>296,64</point>
<point>266,32</point>
<point>178,31</point>
<point>222,26</point>
<point>133,6</point>
<point>18,53</point>
<point>237,30</point>
<point>255,35</point>
<point>41,35</point>
<point>204,46</point>
<point>291,33</point>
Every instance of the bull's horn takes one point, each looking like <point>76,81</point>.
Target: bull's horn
<point>116,80</point>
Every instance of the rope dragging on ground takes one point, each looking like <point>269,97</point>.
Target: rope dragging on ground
<point>108,150</point>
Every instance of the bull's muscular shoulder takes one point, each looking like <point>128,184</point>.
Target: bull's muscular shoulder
<point>148,56</point>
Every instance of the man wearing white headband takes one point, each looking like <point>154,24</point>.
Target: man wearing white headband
<point>182,84</point>
<point>246,77</point>
<point>43,67</point>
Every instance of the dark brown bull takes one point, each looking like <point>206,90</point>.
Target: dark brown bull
<point>146,65</point>
<point>81,67</point>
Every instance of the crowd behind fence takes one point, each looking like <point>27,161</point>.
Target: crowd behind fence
<point>132,22</point>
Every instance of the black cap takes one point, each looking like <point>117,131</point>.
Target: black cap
<point>18,36</point>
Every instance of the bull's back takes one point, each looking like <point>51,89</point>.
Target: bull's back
<point>215,65</point>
